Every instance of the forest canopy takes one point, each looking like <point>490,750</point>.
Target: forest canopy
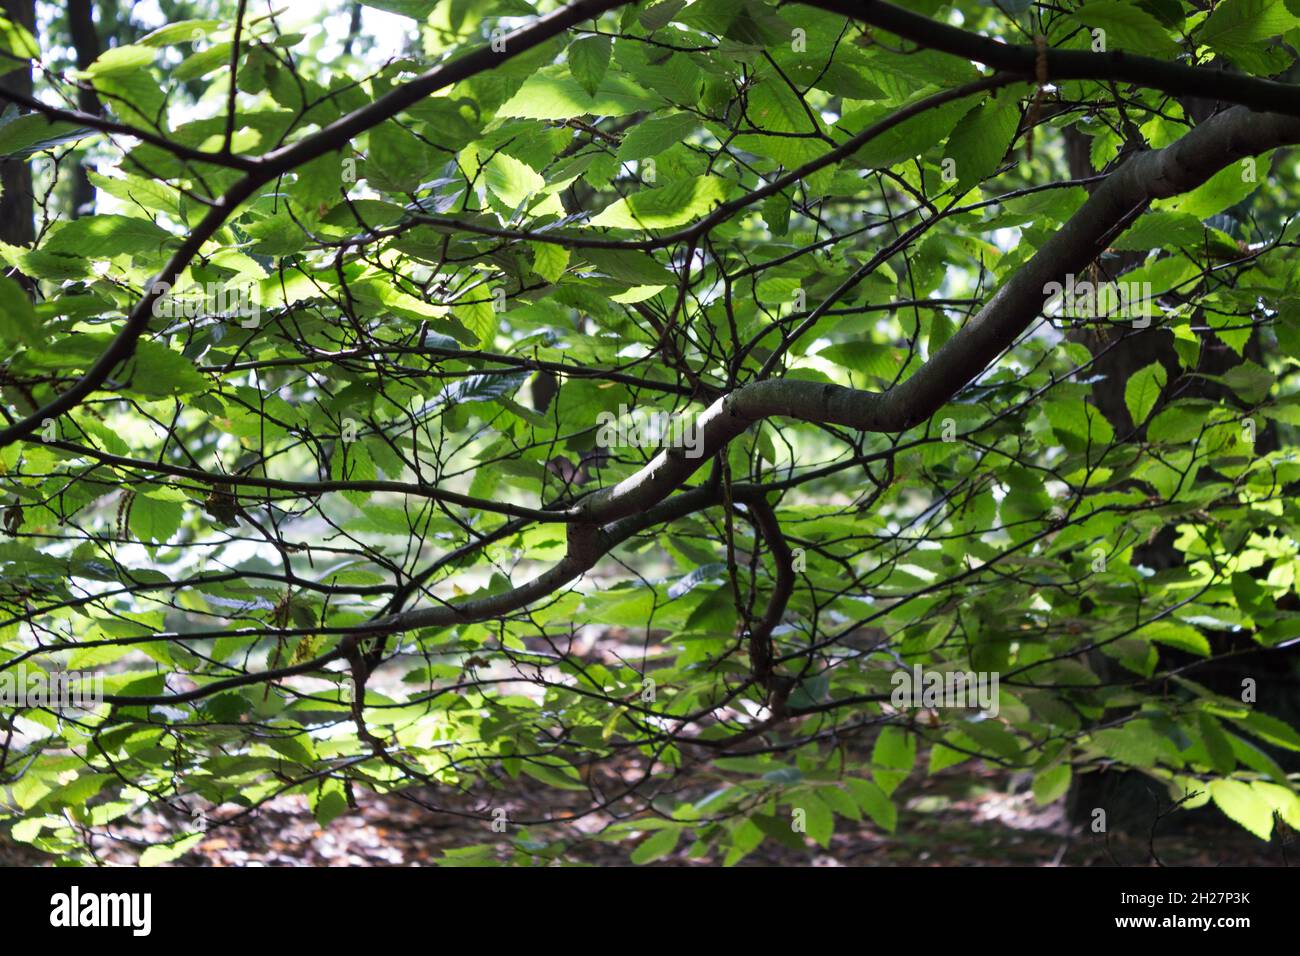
<point>710,415</point>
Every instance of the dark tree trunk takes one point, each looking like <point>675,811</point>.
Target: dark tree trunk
<point>16,200</point>
<point>1132,800</point>
<point>85,40</point>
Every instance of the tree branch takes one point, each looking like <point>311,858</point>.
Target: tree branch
<point>1174,78</point>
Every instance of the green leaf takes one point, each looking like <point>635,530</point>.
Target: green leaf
<point>818,817</point>
<point>560,775</point>
<point>1128,27</point>
<point>1270,729</point>
<point>17,314</point>
<point>658,15</point>
<point>906,140</point>
<point>1162,230</point>
<point>1142,391</point>
<point>588,61</point>
<point>1182,636</point>
<point>17,41</point>
<point>653,136</point>
<point>671,205</point>
<point>993,739</point>
<point>203,62</point>
<point>351,462</point>
<point>161,853</point>
<point>153,520</point>
<point>1225,188</point>
<point>512,181</point>
<point>396,160</point>
<point>1285,802</point>
<point>776,213</point>
<point>121,59</point>
<point>894,749</point>
<point>1235,24</point>
<point>1051,784</point>
<point>1243,805</point>
<point>657,846</point>
<point>873,802</point>
<point>29,133</point>
<point>552,96</point>
<point>625,265</point>
<point>1136,743</point>
<point>549,260</point>
<point>773,107</point>
<point>331,805</point>
<point>980,140</point>
<point>1250,381</point>
<point>1216,743</point>
<point>415,9</point>
<point>479,319</point>
<point>99,237</point>
<point>179,31</point>
<point>134,190</point>
<point>154,369</point>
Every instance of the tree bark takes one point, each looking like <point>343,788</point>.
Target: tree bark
<point>85,40</point>
<point>16,199</point>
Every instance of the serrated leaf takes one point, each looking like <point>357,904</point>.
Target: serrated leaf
<point>154,521</point>
<point>549,260</point>
<point>1174,634</point>
<point>672,205</point>
<point>511,180</point>
<point>653,136</point>
<point>351,462</point>
<point>1237,23</point>
<point>479,318</point>
<point>1249,380</point>
<point>1225,188</point>
<point>154,369</point>
<point>874,802</point>
<point>1162,230</point>
<point>554,96</point>
<point>1244,805</point>
<point>658,15</point>
<point>1136,743</point>
<point>107,235</point>
<point>1142,391</point>
<point>1128,27</point>
<point>980,140</point>
<point>588,61</point>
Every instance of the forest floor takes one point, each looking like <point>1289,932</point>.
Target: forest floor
<point>972,814</point>
<point>965,817</point>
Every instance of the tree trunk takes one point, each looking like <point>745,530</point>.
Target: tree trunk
<point>1132,800</point>
<point>16,199</point>
<point>85,40</point>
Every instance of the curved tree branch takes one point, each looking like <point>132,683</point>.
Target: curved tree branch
<point>1174,78</point>
<point>1224,139</point>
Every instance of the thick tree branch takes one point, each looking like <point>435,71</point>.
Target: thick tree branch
<point>612,515</point>
<point>1225,139</point>
<point>1174,78</point>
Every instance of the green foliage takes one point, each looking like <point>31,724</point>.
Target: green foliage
<point>378,377</point>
